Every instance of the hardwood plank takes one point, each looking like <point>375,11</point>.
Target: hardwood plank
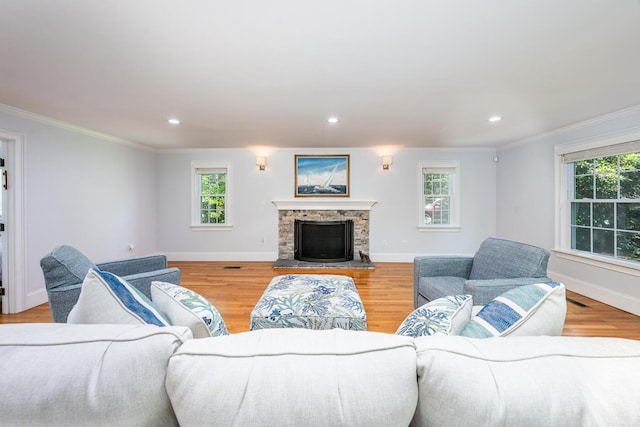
<point>386,292</point>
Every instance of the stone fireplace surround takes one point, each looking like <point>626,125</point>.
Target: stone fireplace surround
<point>322,210</point>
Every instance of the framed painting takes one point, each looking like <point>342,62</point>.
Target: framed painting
<point>322,175</point>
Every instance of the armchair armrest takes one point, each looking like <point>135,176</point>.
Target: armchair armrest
<point>142,281</point>
<point>434,266</point>
<point>131,266</point>
<point>484,291</point>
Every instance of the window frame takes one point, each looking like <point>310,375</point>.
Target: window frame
<point>564,198</point>
<point>196,168</point>
<point>454,203</point>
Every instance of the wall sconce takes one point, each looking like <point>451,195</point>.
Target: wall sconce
<point>386,161</point>
<point>261,161</point>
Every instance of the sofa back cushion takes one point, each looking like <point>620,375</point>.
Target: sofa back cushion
<point>295,377</point>
<point>505,259</point>
<point>528,381</point>
<point>94,375</point>
<point>64,265</point>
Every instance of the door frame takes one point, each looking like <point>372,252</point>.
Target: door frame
<point>14,270</point>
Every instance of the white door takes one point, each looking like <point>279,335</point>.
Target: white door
<point>3,215</point>
<point>12,238</point>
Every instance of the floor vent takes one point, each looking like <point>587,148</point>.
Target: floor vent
<point>578,303</point>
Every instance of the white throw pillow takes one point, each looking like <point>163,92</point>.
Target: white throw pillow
<point>538,309</point>
<point>184,307</point>
<point>108,299</point>
<point>446,315</point>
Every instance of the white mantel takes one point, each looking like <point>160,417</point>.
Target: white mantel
<point>324,205</point>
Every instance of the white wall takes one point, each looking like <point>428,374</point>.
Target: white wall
<point>82,190</point>
<point>394,218</point>
<point>526,192</point>
<point>99,195</point>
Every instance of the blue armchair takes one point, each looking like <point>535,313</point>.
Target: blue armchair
<point>498,266</point>
<point>65,267</point>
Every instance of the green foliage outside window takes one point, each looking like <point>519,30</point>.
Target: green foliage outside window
<point>437,198</point>
<point>605,210</point>
<point>213,198</point>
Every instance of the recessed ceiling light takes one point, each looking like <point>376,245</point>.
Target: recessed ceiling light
<point>494,119</point>
<point>333,120</point>
<point>174,121</point>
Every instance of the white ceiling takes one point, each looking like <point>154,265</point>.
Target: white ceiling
<point>268,73</point>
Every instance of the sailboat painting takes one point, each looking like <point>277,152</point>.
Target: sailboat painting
<point>322,175</point>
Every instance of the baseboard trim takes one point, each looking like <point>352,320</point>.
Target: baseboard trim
<point>273,256</point>
<point>615,299</point>
<point>221,256</point>
<point>36,298</point>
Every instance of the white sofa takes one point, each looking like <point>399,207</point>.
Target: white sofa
<point>144,375</point>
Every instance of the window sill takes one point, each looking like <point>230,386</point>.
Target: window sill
<point>220,227</point>
<point>439,228</point>
<point>627,267</point>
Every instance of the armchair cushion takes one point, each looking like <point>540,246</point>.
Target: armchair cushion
<point>537,309</point>
<point>107,299</point>
<point>504,259</point>
<point>432,288</point>
<point>64,265</point>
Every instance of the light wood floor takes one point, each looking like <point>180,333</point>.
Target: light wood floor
<point>386,292</point>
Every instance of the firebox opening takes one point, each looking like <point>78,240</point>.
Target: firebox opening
<point>323,241</point>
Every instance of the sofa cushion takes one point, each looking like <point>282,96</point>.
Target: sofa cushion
<point>537,309</point>
<point>446,315</point>
<point>295,377</point>
<point>186,308</point>
<point>59,374</point>
<point>505,259</point>
<point>527,381</point>
<point>107,298</point>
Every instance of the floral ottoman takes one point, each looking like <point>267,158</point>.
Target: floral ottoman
<point>312,301</point>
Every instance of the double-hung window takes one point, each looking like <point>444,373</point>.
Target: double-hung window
<point>211,195</point>
<point>602,206</point>
<point>440,196</point>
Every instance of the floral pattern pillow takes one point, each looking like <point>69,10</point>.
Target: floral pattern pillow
<point>184,307</point>
<point>447,315</point>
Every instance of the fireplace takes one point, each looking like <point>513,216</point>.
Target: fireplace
<point>290,211</point>
<point>323,241</point>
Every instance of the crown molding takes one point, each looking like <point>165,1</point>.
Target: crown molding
<point>17,112</point>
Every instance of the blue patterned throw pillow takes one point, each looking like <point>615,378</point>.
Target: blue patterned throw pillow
<point>186,308</point>
<point>537,309</point>
<point>447,315</point>
<point>106,298</point>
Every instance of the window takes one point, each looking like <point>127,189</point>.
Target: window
<point>439,198</point>
<point>603,201</point>
<point>211,189</point>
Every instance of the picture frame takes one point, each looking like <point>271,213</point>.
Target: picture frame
<point>325,175</point>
